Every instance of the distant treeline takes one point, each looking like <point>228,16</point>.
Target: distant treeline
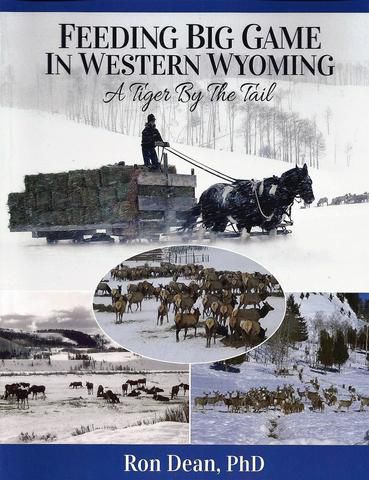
<point>27,339</point>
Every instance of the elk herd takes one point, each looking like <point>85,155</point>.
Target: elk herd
<point>287,399</point>
<point>230,304</point>
<point>130,389</point>
<point>20,392</point>
<point>348,198</point>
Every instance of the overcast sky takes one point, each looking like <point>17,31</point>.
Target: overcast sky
<point>36,310</point>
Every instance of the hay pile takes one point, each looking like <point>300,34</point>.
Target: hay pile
<point>77,197</point>
<point>107,195</point>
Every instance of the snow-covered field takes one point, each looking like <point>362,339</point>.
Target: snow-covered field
<point>140,333</point>
<point>100,362</point>
<point>309,259</point>
<point>72,416</point>
<point>216,424</point>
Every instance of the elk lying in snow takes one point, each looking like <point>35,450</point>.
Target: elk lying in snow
<point>160,398</point>
<point>253,314</point>
<point>186,321</point>
<point>211,327</point>
<point>135,298</point>
<point>153,390</point>
<point>252,331</point>
<point>134,393</point>
<point>111,397</point>
<point>162,312</point>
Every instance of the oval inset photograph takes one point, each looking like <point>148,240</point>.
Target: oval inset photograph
<point>189,304</point>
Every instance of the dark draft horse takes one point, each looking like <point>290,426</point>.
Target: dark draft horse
<point>249,203</point>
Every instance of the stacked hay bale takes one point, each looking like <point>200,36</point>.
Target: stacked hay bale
<point>78,197</point>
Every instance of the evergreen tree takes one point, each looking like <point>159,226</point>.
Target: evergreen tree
<point>301,332</point>
<point>325,351</point>
<point>292,306</point>
<point>353,300</point>
<point>351,337</point>
<point>340,353</point>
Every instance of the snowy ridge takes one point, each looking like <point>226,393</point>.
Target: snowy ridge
<point>326,307</point>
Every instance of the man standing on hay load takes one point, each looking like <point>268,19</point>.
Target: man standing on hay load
<point>151,138</point>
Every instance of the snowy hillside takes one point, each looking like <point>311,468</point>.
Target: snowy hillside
<point>327,308</point>
<point>342,418</point>
<point>314,249</point>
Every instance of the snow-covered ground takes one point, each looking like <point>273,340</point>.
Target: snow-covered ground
<point>217,425</point>
<point>140,333</point>
<point>72,416</point>
<point>310,259</point>
<point>100,361</point>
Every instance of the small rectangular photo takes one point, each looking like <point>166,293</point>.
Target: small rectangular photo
<point>307,385</point>
<point>63,381</point>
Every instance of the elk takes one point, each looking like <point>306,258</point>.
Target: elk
<point>135,298</point>
<point>364,402</point>
<point>120,308</point>
<point>252,299</point>
<point>22,397</point>
<point>253,314</point>
<point>202,401</point>
<point>186,321</point>
<point>124,389</point>
<point>211,327</point>
<point>175,391</point>
<point>345,403</point>
<point>225,311</point>
<point>162,312</point>
<point>252,330</point>
<point>90,388</point>
<point>160,398</point>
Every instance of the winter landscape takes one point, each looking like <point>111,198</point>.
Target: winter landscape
<point>59,123</point>
<point>308,385</point>
<point>62,381</point>
<point>158,301</point>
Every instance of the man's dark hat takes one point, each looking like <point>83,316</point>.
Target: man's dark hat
<point>151,117</point>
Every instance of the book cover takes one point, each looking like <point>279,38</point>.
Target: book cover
<point>183,239</point>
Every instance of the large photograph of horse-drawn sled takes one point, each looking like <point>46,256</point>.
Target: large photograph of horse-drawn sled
<point>103,179</point>
<point>189,304</point>
<point>62,381</point>
<point>309,384</point>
